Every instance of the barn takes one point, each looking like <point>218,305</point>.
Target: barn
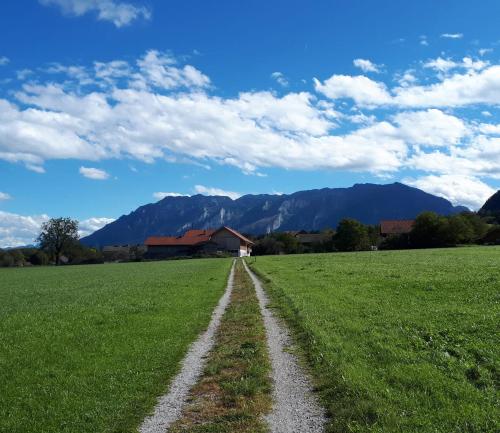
<point>223,240</point>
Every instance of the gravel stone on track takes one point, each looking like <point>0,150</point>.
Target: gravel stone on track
<point>170,405</point>
<point>295,409</point>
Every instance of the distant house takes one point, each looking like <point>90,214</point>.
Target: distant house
<point>223,240</point>
<point>396,227</point>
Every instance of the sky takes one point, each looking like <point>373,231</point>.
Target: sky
<point>106,105</point>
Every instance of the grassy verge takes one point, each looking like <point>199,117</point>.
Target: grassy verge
<point>89,348</point>
<point>234,392</point>
<point>398,341</point>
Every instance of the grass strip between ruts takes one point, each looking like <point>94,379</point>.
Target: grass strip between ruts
<point>235,390</point>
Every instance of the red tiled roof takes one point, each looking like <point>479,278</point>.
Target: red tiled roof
<point>191,238</point>
<point>180,241</point>
<point>196,232</point>
<point>396,227</point>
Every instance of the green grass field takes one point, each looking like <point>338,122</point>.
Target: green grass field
<point>89,348</point>
<point>402,341</point>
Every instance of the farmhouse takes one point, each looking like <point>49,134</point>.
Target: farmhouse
<point>395,227</point>
<point>223,240</point>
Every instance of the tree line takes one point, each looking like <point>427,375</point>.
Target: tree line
<point>430,230</point>
<point>58,242</point>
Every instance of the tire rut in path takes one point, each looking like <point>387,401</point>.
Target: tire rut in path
<point>295,407</point>
<point>169,407</point>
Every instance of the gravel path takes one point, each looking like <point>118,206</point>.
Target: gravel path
<point>169,407</point>
<point>295,408</point>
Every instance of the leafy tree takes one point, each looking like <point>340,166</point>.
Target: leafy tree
<point>428,231</point>
<point>351,236</point>
<point>39,258</point>
<point>57,235</point>
<point>17,257</point>
<point>6,259</point>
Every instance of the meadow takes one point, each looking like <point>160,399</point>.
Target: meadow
<point>89,348</point>
<point>398,341</point>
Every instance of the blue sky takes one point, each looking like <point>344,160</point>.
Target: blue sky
<point>108,104</point>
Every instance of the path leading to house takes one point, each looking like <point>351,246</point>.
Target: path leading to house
<point>240,375</point>
<point>169,407</point>
<point>295,407</point>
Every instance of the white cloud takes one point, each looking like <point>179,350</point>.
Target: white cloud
<point>4,60</point>
<point>366,65</point>
<point>455,91</point>
<point>17,230</point>
<point>479,158</point>
<point>487,128</point>
<point>4,196</point>
<point>23,74</point>
<point>93,173</point>
<point>479,84</point>
<point>161,195</point>
<point>153,109</point>
<point>361,89</point>
<point>452,35</point>
<point>159,70</point>
<point>430,128</point>
<point>206,190</point>
<point>280,79</point>
<point>440,64</point>
<point>407,78</point>
<point>484,51</point>
<point>90,225</point>
<point>424,41</point>
<point>119,13</point>
<point>460,190</point>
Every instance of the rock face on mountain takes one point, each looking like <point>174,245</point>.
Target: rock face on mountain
<point>257,214</point>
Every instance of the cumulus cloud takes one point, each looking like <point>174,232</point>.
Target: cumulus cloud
<point>367,65</point>
<point>480,84</point>
<point>280,78</point>
<point>484,51</point>
<point>4,196</point>
<point>160,70</point>
<point>363,90</point>
<point>430,128</point>
<point>93,173</point>
<point>90,225</point>
<point>119,13</point>
<point>17,230</point>
<point>460,190</point>
<point>161,195</point>
<point>452,35</point>
<point>445,65</point>
<point>158,108</point>
<point>206,190</point>
<point>4,60</point>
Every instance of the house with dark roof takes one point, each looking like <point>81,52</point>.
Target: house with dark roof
<point>396,227</point>
<point>224,240</point>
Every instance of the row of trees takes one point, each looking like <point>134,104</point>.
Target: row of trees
<point>58,243</point>
<point>429,231</point>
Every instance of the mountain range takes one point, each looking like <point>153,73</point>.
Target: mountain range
<point>263,213</point>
